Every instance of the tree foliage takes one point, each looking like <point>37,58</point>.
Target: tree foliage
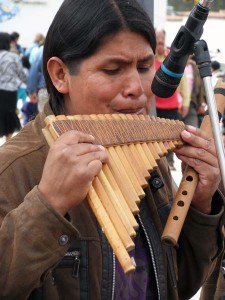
<point>187,5</point>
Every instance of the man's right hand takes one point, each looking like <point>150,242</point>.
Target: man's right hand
<point>71,165</point>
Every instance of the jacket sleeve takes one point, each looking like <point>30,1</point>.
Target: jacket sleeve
<point>200,243</point>
<point>33,239</point>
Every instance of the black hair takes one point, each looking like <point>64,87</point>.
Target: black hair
<point>79,28</point>
<point>25,62</point>
<point>4,41</point>
<point>215,65</point>
<point>14,36</point>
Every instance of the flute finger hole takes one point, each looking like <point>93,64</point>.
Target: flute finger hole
<point>175,218</point>
<point>189,178</point>
<point>180,203</point>
<point>184,193</point>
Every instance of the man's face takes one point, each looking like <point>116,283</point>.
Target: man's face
<point>160,43</point>
<point>116,79</point>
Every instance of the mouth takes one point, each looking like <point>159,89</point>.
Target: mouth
<point>139,111</point>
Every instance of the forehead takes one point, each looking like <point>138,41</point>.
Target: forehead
<point>126,43</point>
<point>160,35</point>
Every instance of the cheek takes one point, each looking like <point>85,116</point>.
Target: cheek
<point>104,90</point>
<point>148,92</point>
<point>148,106</point>
<point>147,83</point>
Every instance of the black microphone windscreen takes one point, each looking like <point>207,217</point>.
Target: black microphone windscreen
<point>163,85</point>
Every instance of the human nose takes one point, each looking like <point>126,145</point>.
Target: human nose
<point>133,85</point>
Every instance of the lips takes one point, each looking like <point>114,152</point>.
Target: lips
<point>139,111</point>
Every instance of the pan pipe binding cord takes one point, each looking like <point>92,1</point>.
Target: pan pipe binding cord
<point>134,144</point>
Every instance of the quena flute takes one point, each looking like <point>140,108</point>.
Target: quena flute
<point>189,182</point>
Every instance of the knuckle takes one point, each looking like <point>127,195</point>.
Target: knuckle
<point>197,162</point>
<point>64,152</point>
<point>217,172</point>
<point>201,152</point>
<point>208,144</point>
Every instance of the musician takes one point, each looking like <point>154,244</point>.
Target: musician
<point>99,58</point>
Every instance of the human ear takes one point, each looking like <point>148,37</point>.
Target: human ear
<point>58,73</point>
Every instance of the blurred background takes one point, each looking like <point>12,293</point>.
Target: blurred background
<point>28,17</point>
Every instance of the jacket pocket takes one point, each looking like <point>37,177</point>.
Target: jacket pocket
<point>70,277</point>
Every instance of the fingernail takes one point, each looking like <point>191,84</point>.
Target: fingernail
<point>101,147</point>
<point>186,134</point>
<point>191,128</point>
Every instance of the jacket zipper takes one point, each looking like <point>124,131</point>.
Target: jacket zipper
<point>152,255</point>
<point>114,276</point>
<point>76,265</point>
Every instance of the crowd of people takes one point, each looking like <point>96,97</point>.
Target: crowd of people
<point>98,58</point>
<point>18,99</point>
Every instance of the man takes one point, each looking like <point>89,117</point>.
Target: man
<point>197,105</point>
<point>216,72</point>
<point>99,59</point>
<point>36,88</point>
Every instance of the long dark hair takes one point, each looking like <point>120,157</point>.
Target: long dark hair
<point>4,41</point>
<point>79,28</point>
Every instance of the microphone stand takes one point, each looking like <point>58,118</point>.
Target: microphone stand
<point>203,62</point>
<point>189,181</point>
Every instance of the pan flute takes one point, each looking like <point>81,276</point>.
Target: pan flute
<point>134,146</point>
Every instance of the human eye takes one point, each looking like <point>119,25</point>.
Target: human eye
<point>112,71</point>
<point>144,68</point>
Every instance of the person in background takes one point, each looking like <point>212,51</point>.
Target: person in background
<point>99,59</point>
<point>36,87</point>
<point>177,105</point>
<point>217,73</point>
<point>11,76</point>
<point>22,89</point>
<point>15,46</point>
<point>197,105</point>
<point>29,110</point>
<point>31,52</point>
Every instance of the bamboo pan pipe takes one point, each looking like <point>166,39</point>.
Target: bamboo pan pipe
<point>189,181</point>
<point>134,147</point>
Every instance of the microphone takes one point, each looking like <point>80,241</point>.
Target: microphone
<point>168,76</point>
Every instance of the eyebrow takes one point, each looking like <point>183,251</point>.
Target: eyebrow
<point>148,58</point>
<point>145,59</point>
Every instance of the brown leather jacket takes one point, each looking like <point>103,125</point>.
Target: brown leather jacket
<point>46,256</point>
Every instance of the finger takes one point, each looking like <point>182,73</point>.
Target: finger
<point>207,174</point>
<point>197,138</point>
<point>101,156</point>
<point>93,162</point>
<point>81,149</point>
<point>95,167</point>
<point>74,137</point>
<point>196,154</point>
<point>199,163</point>
<point>198,131</point>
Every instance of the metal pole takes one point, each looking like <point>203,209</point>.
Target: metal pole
<point>204,64</point>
